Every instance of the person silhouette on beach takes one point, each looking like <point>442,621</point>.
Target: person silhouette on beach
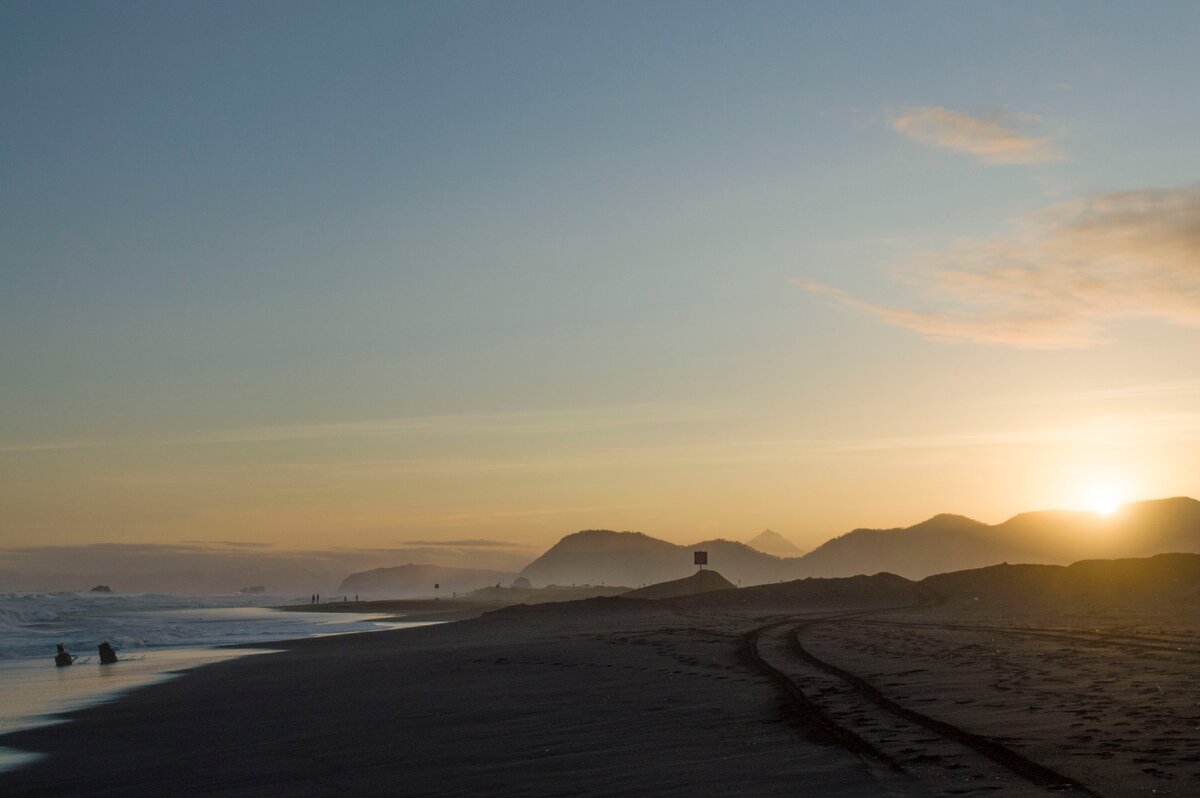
<point>63,657</point>
<point>108,654</point>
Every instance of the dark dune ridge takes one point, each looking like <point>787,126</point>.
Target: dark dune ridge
<point>699,582</point>
<point>1003,678</point>
<point>411,580</point>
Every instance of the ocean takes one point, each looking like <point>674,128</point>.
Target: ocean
<point>155,636</point>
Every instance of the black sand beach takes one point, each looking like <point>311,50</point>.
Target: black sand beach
<point>767,691</point>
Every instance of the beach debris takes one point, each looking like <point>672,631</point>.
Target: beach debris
<point>108,654</point>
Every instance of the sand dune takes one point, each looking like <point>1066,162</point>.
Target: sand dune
<point>699,582</point>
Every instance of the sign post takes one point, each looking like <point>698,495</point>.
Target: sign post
<point>700,558</point>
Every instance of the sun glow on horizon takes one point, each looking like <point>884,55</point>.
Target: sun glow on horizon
<point>1104,498</point>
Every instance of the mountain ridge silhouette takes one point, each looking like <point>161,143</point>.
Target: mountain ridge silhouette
<point>943,543</point>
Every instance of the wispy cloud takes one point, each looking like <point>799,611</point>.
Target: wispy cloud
<point>52,446</point>
<point>1173,388</point>
<point>994,139</point>
<point>1101,430</point>
<point>481,543</point>
<point>526,423</point>
<point>1061,276</point>
<point>519,423</point>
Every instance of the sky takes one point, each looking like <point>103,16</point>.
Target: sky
<point>366,275</point>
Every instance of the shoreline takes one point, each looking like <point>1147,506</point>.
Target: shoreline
<point>48,696</point>
<point>34,693</point>
<point>761,691</point>
<point>402,610</point>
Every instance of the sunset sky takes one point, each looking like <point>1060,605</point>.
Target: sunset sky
<point>330,275</point>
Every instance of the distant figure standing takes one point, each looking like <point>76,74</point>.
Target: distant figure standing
<point>108,654</point>
<point>63,657</point>
<point>318,598</point>
<point>312,599</point>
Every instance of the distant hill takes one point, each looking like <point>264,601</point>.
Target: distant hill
<point>699,582</point>
<point>1138,529</point>
<point>941,544</point>
<point>954,543</point>
<point>597,556</point>
<point>741,564</point>
<point>878,590</point>
<point>771,542</point>
<point>631,558</point>
<point>410,581</point>
<point>1172,575</point>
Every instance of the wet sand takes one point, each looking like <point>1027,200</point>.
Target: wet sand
<point>753,692</point>
<point>412,610</point>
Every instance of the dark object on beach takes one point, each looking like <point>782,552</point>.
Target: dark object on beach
<point>107,654</point>
<point>101,589</point>
<point>63,657</point>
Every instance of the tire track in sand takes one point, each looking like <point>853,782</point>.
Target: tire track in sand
<point>1027,769</point>
<point>801,710</point>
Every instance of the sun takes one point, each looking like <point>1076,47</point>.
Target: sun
<point>1104,499</point>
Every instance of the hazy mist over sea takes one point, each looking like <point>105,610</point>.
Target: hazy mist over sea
<point>222,567</point>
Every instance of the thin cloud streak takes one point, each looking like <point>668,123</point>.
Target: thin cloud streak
<point>1102,430</point>
<point>20,448</point>
<point>1107,430</point>
<point>992,139</point>
<point>549,422</point>
<point>1145,391</point>
<point>1061,277</point>
<point>478,543</point>
<point>522,423</point>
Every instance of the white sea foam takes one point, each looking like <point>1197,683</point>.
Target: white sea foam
<point>32,623</point>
